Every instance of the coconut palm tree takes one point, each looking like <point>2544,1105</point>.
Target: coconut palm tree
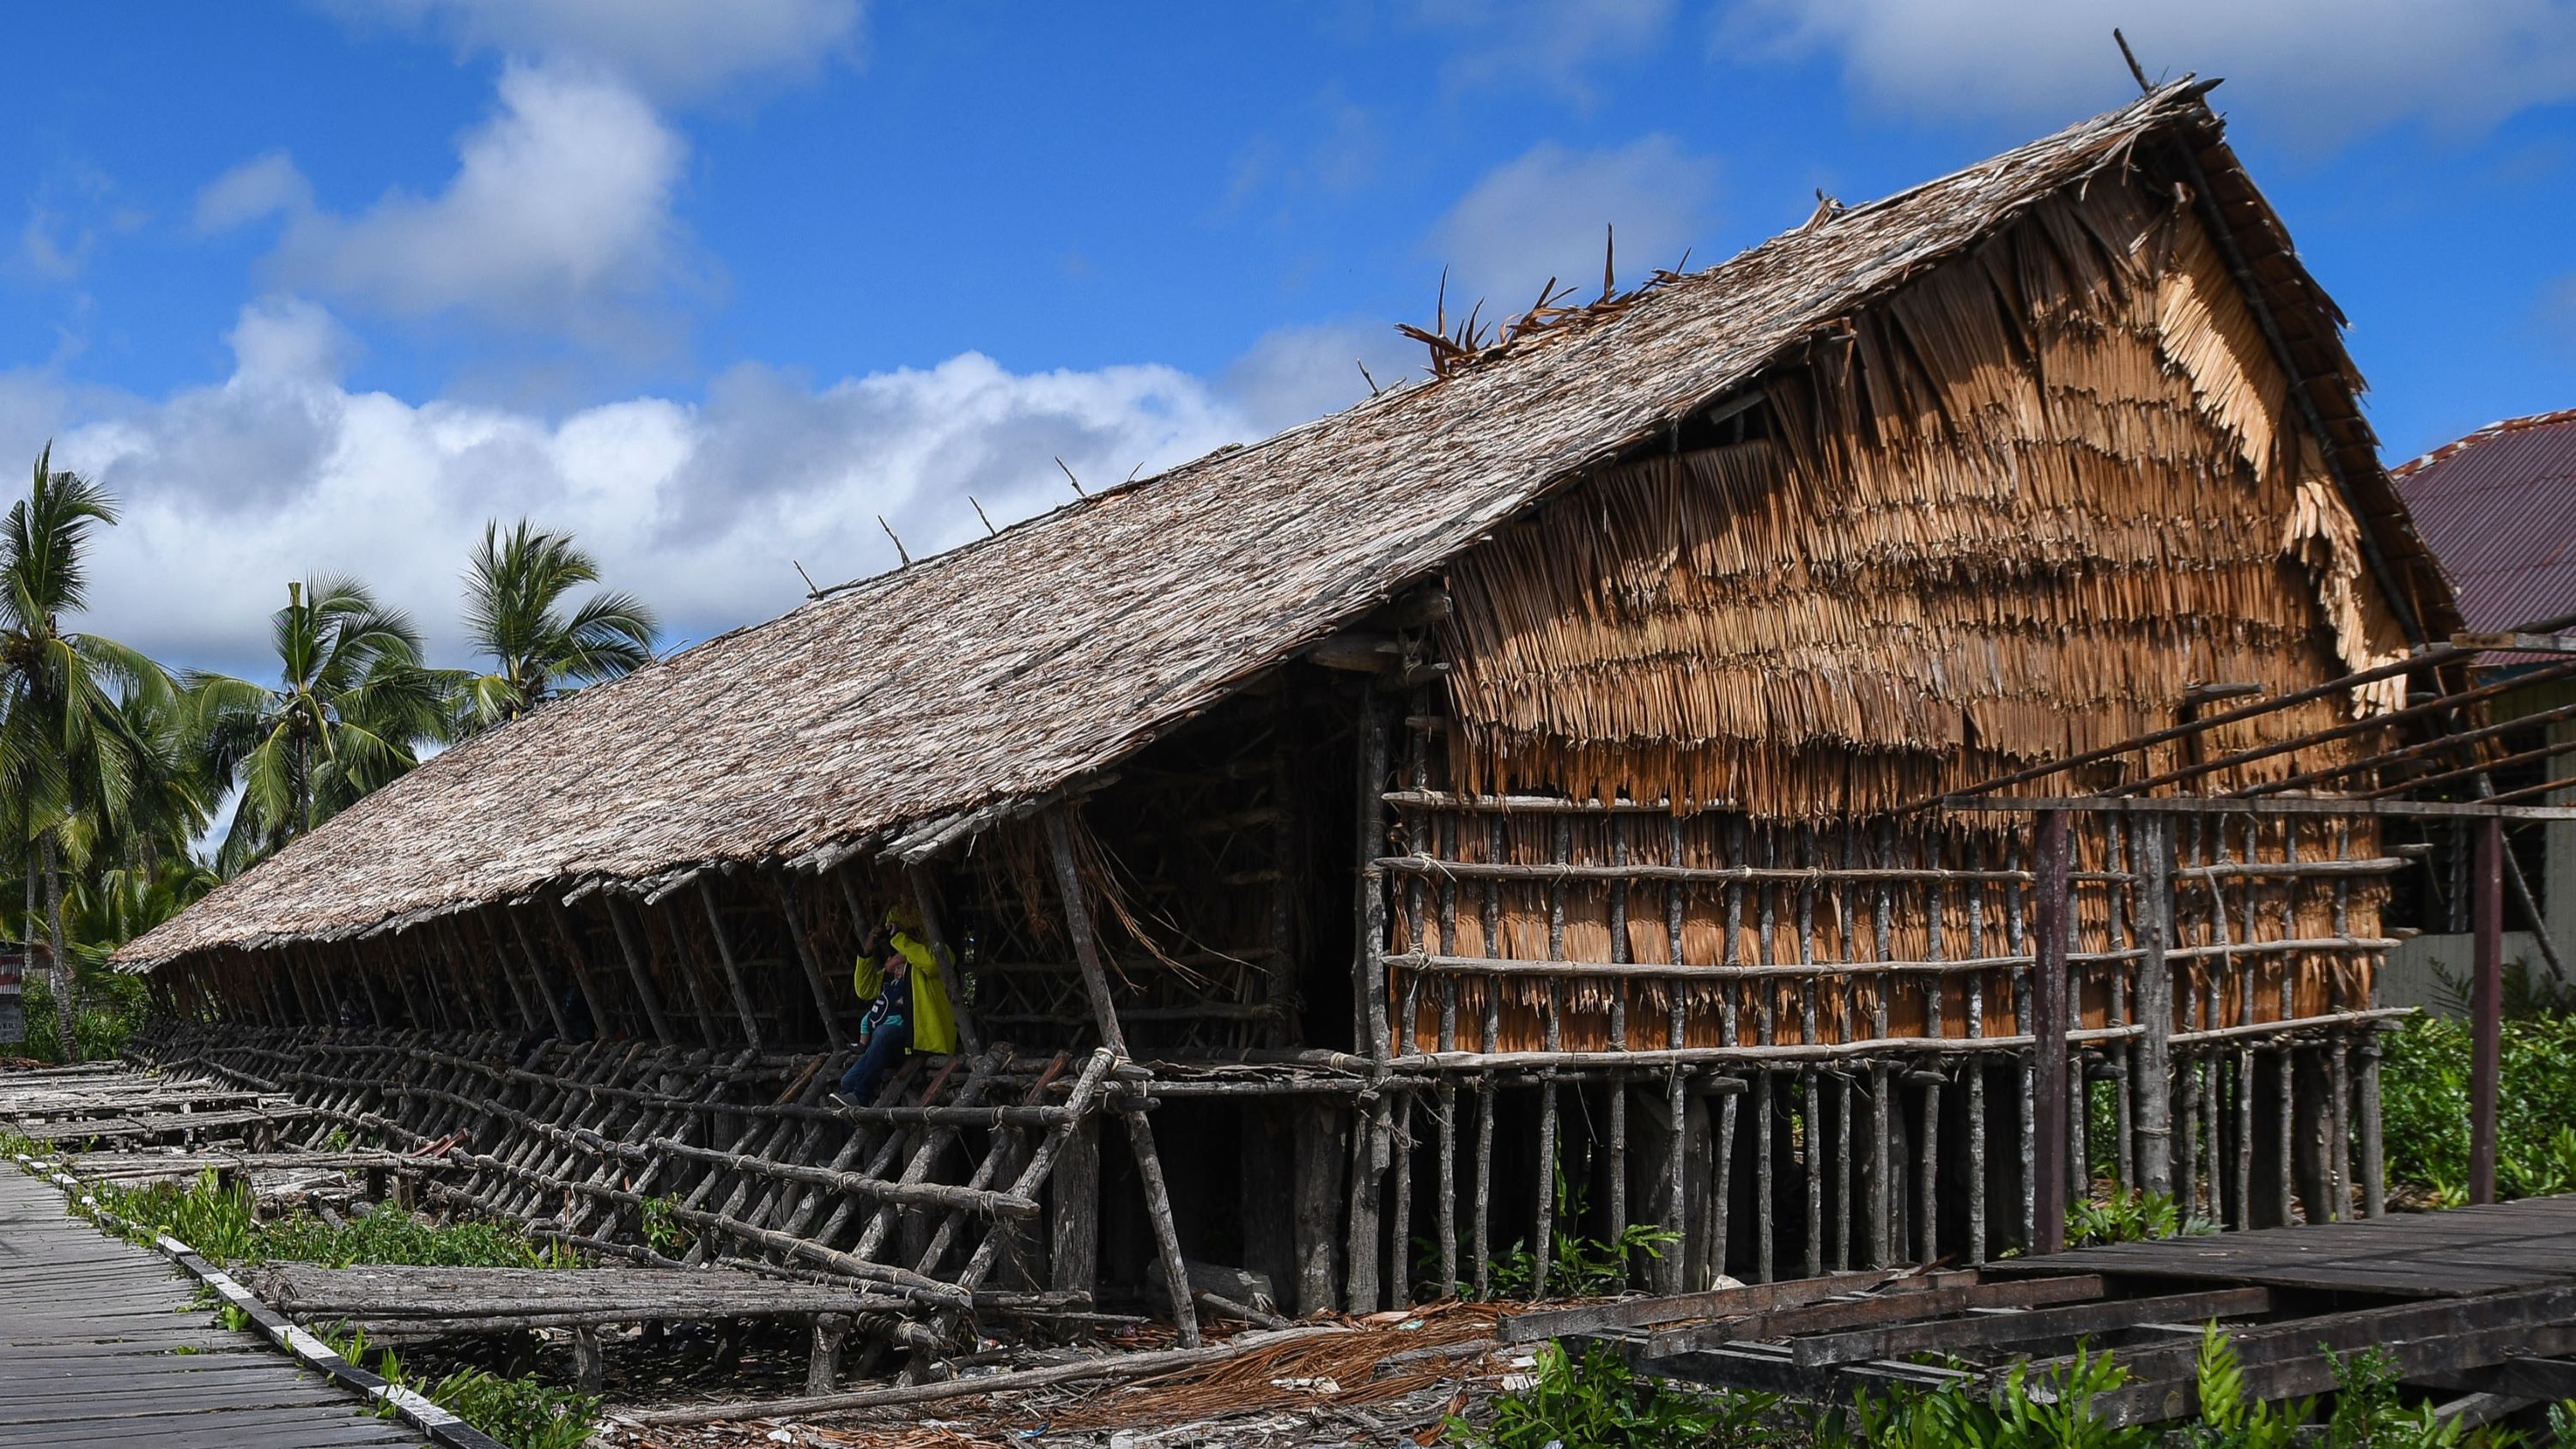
<point>515,589</point>
<point>66,746</point>
<point>351,709</point>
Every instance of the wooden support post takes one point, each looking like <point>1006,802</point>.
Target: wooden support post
<point>2049,1156</point>
<point>2153,1085</point>
<point>732,966</point>
<point>545,982</point>
<point>2486,1007</point>
<point>1140,1132</point>
<point>1073,1249</point>
<point>1316,1224</point>
<point>1480,1231</point>
<point>1370,1128</point>
<point>823,1368</point>
<point>1167,1240</point>
<point>639,969</point>
<point>589,1366</point>
<point>579,955</point>
<point>1086,945</point>
<point>810,958</point>
<point>2372,1167</point>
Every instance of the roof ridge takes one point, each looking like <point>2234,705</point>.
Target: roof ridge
<point>2489,433</point>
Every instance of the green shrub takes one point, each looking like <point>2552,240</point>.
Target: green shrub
<point>2424,1106</point>
<point>2128,1216</point>
<point>2058,1413</point>
<point>221,1222</point>
<point>1578,1267</point>
<point>523,1413</point>
<point>110,1005</point>
<point>1599,1404</point>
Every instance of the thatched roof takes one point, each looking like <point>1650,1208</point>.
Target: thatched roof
<point>889,716</point>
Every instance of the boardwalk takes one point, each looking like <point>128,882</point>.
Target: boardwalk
<point>97,1347</point>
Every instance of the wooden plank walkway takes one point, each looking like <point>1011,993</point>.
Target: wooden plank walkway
<point>98,1346</point>
<point>2450,1254</point>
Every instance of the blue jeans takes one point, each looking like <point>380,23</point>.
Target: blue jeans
<point>883,1050</point>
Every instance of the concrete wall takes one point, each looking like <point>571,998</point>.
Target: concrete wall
<point>2408,978</point>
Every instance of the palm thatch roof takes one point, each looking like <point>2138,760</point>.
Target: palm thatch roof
<point>908,710</point>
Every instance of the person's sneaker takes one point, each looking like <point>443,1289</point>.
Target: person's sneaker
<point>841,1103</point>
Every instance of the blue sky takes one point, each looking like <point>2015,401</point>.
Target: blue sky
<point>323,286</point>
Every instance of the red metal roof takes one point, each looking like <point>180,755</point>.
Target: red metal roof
<point>2498,509</point>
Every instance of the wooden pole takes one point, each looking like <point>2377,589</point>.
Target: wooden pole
<point>1370,1128</point>
<point>1140,1133</point>
<point>732,966</point>
<point>578,955</point>
<point>2048,1141</point>
<point>2486,1008</point>
<point>1073,1194</point>
<point>1086,946</point>
<point>810,958</point>
<point>638,969</point>
<point>2154,1085</point>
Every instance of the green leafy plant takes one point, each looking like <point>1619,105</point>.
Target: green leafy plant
<point>222,1222</point>
<point>2128,1215</point>
<point>1596,1403</point>
<point>1578,1267</point>
<point>2424,1097</point>
<point>524,1412</point>
<point>2231,1418</point>
<point>663,1231</point>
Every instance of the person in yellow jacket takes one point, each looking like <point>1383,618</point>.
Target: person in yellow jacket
<point>908,1008</point>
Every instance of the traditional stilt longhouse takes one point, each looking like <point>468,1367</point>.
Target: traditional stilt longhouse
<point>1493,812</point>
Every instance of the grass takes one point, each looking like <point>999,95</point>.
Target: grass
<point>221,1222</point>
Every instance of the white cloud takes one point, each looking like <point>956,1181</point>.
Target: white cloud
<point>1543,215</point>
<point>289,339</point>
<point>71,212</point>
<point>2321,69</point>
<point>1554,43</point>
<point>558,216</point>
<point>261,187</point>
<point>673,49</point>
<point>232,489</point>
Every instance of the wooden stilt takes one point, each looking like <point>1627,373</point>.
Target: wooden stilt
<point>1446,1207</point>
<point>1481,1218</point>
<point>2153,1081</point>
<point>1073,1193</point>
<point>2374,1179</point>
<point>2049,1164</point>
<point>1316,1221</point>
<point>1140,1133</point>
<point>1399,1223</point>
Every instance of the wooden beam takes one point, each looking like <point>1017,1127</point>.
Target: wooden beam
<point>2073,1321</point>
<point>732,965</point>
